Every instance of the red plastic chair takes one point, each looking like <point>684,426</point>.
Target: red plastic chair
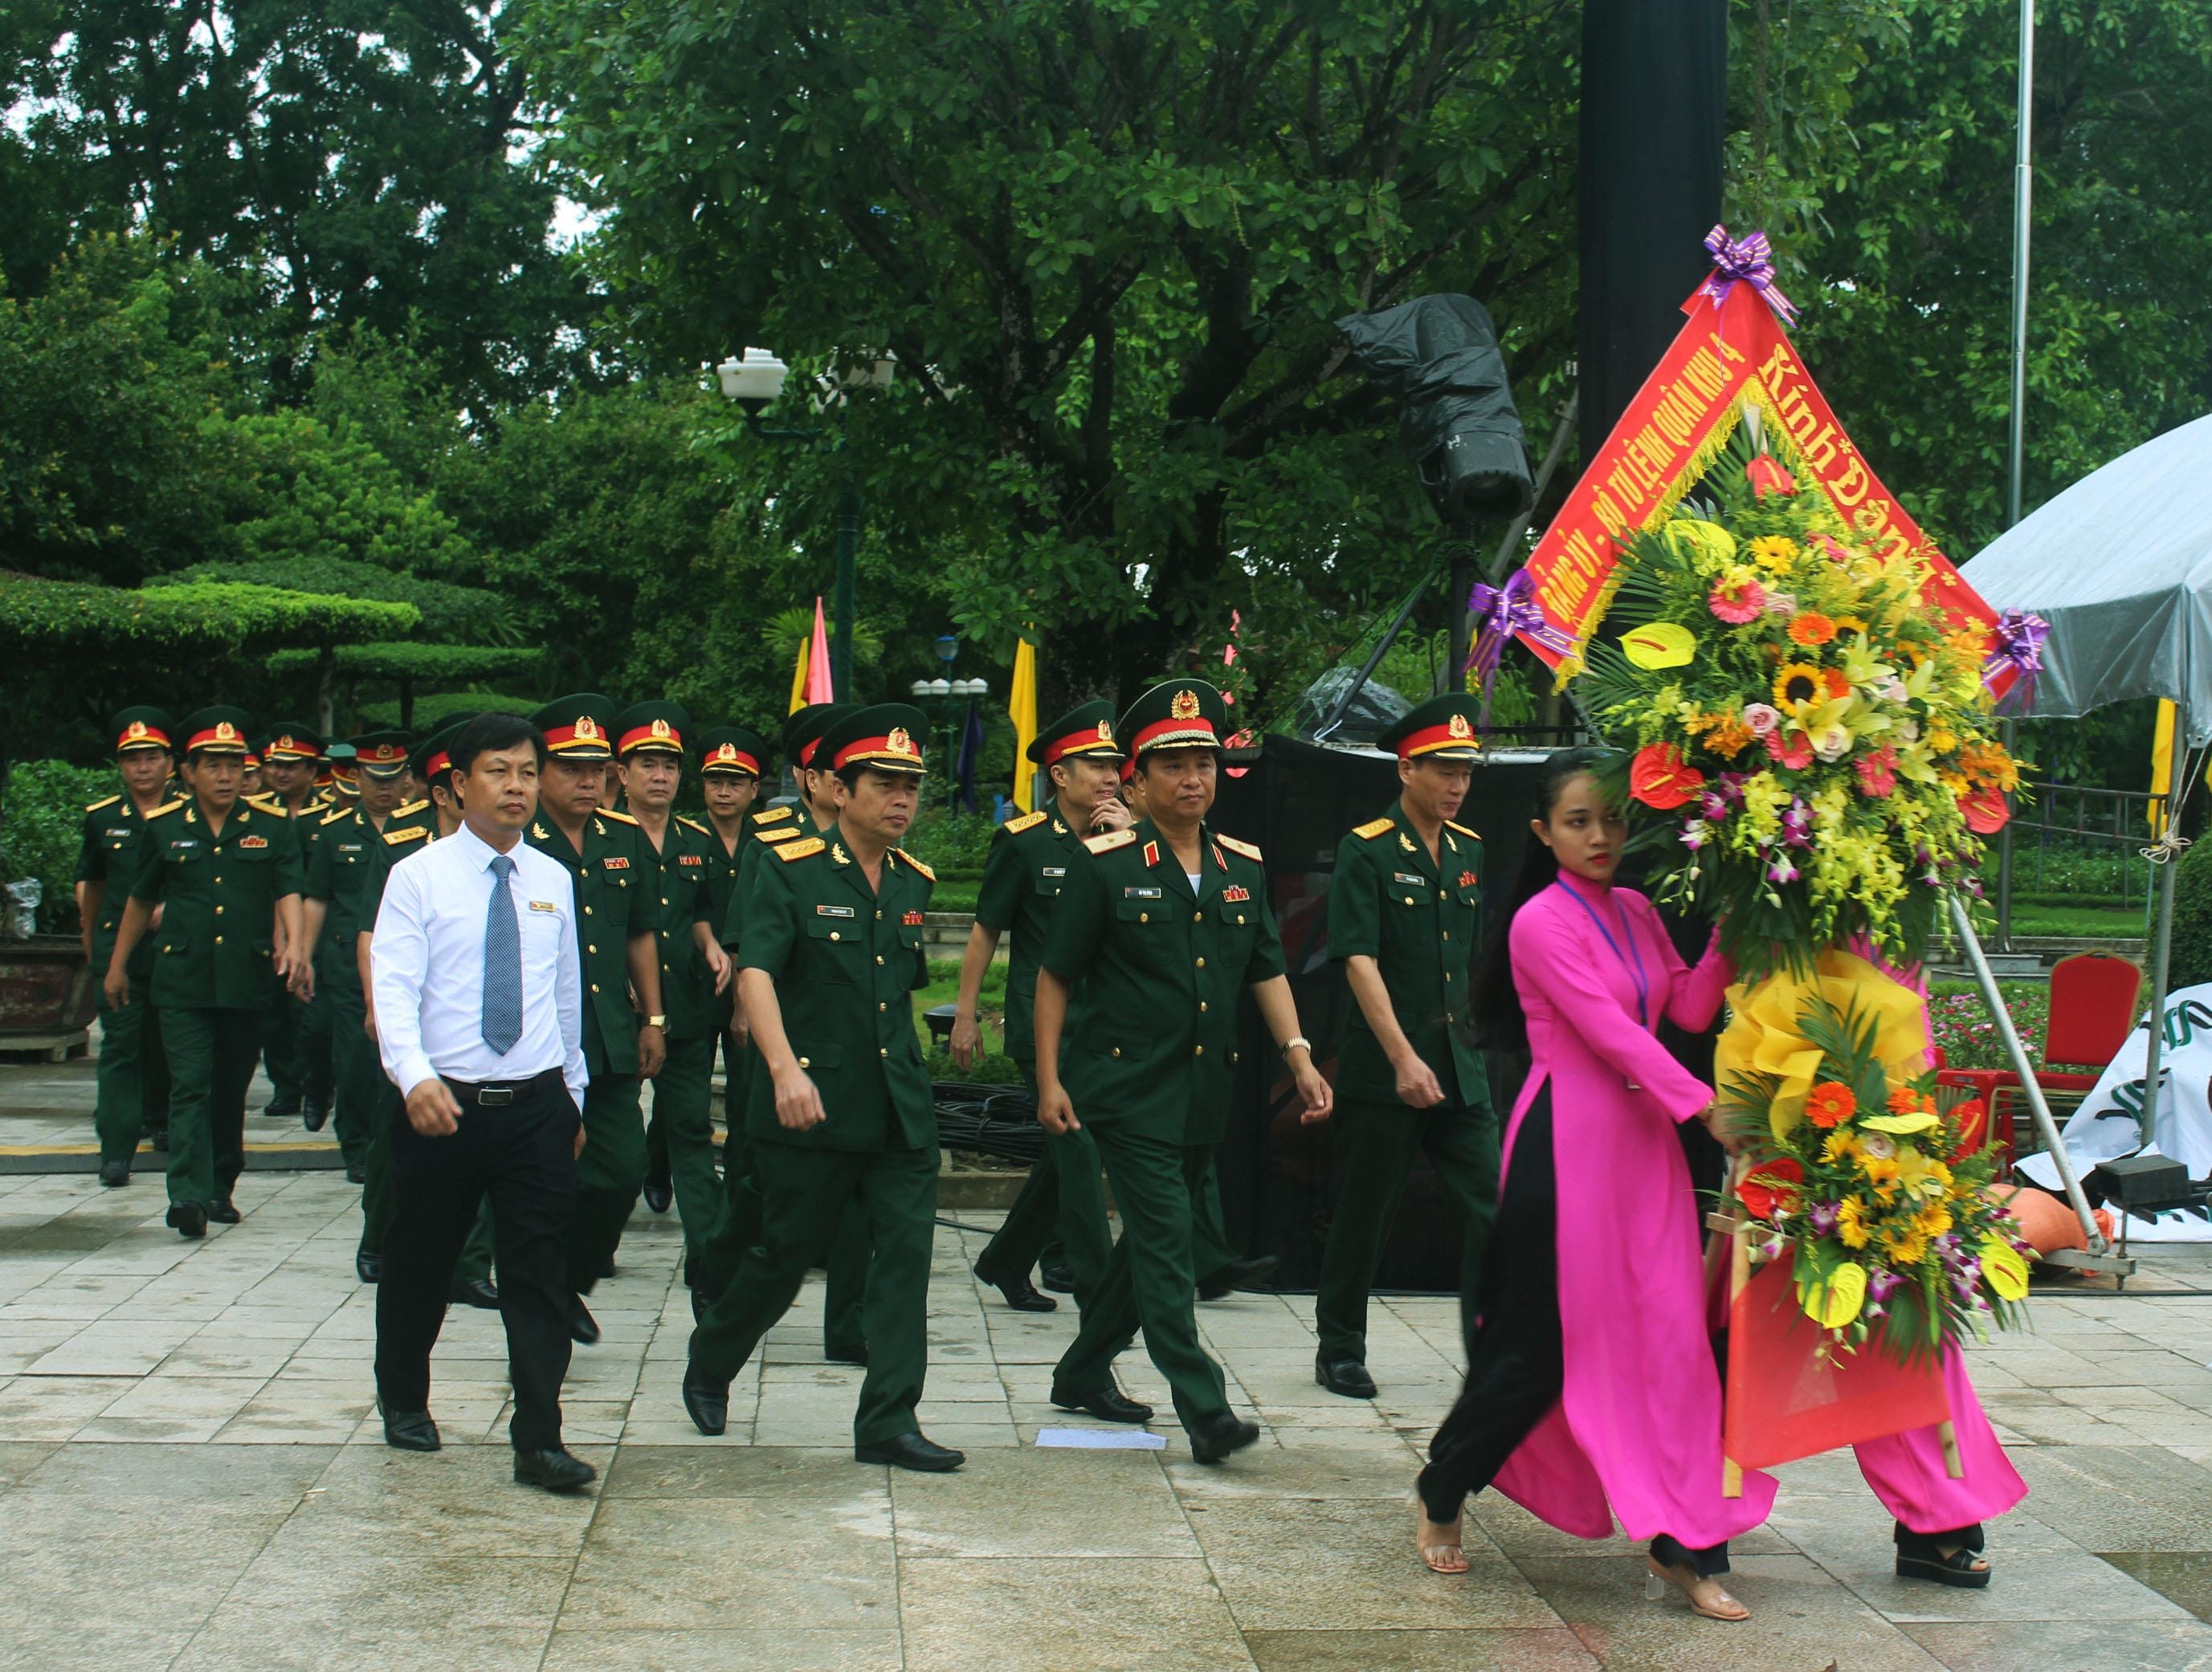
<point>2093,1006</point>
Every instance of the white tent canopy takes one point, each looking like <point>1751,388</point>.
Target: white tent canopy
<point>2120,565</point>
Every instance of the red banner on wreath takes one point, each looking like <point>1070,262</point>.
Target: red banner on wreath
<point>1729,355</point>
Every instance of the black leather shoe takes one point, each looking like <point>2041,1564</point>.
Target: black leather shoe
<point>315,1114</point>
<point>368,1266</point>
<point>847,1355</point>
<point>1056,1277</point>
<point>281,1109</point>
<point>1348,1377</point>
<point>223,1213</point>
<point>583,1328</point>
<point>190,1218</point>
<point>1237,1274</point>
<point>1020,1293</point>
<point>554,1470</point>
<point>657,1194</point>
<point>114,1173</point>
<point>1212,1441</point>
<point>706,1400</point>
<point>158,1139</point>
<point>477,1291</point>
<point>357,1173</point>
<point>913,1452</point>
<point>1107,1404</point>
<point>410,1430</point>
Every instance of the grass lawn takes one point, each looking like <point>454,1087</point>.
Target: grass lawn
<point>2112,923</point>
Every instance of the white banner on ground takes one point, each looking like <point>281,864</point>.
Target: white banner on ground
<point>2109,1123</point>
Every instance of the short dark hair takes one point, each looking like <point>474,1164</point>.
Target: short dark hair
<point>488,733</point>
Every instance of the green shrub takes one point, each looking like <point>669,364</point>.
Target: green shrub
<point>41,827</point>
<point>951,843</point>
<point>2190,961</point>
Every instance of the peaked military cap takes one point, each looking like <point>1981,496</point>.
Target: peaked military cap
<point>1178,714</point>
<point>650,726</point>
<point>1441,729</point>
<point>253,757</point>
<point>217,731</point>
<point>143,728</point>
<point>580,727</point>
<point>430,760</point>
<point>342,776</point>
<point>887,737</point>
<point>804,728</point>
<point>289,740</point>
<point>732,749</point>
<point>1086,729</point>
<point>382,754</point>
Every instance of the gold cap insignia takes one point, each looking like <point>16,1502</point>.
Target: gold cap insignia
<point>1459,727</point>
<point>1105,731</point>
<point>660,728</point>
<point>728,751</point>
<point>225,732</point>
<point>898,742</point>
<point>586,726</point>
<point>1185,706</point>
<point>137,728</point>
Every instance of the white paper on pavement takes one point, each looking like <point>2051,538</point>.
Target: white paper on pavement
<point>1102,1439</point>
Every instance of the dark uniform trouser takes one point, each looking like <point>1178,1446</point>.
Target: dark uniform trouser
<point>317,1072</point>
<point>212,1055</point>
<point>1375,1144</point>
<point>682,1109</point>
<point>1209,1233</point>
<point>281,1051</point>
<point>1148,1280</point>
<point>805,1195</point>
<point>376,1203</point>
<point>1063,1199</point>
<point>522,1156</point>
<point>609,1175</point>
<point>358,1072</point>
<point>132,1071</point>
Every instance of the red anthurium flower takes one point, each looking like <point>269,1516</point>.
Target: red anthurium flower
<point>1769,1185</point>
<point>1985,810</point>
<point>1659,776</point>
<point>1767,477</point>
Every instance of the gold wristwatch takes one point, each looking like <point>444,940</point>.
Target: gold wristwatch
<point>656,1022</point>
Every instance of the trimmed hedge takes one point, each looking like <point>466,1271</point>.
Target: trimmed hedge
<point>41,825</point>
<point>47,616</point>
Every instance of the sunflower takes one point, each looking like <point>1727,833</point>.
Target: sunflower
<point>1795,683</point>
<point>1851,1222</point>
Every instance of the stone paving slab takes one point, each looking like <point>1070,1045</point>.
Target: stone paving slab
<point>192,1476</point>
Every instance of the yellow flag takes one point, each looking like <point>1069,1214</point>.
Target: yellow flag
<point>1021,704</point>
<point>2161,768</point>
<point>799,678</point>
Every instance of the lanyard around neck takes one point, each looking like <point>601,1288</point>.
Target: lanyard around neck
<point>1632,960</point>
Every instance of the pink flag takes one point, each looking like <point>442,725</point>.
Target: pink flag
<point>818,661</point>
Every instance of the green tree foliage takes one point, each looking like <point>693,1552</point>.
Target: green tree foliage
<point>169,626</point>
<point>45,803</point>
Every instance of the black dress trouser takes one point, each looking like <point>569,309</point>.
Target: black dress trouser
<point>1516,1367</point>
<point>523,1155</point>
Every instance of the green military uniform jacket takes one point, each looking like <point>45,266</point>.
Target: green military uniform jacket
<point>1421,921</point>
<point>1150,1043</point>
<point>722,871</point>
<point>110,853</point>
<point>675,883</point>
<point>614,901</point>
<point>1024,873</point>
<point>346,859</point>
<point>219,898</point>
<point>845,961</point>
<point>765,833</point>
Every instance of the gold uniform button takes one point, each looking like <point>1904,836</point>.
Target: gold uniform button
<point>1201,963</point>
<point>879,917</point>
<point>1240,916</point>
<point>1448,935</point>
<point>1441,895</point>
<point>882,1006</point>
<point>1142,916</point>
<point>218,911</point>
<point>880,958</point>
<point>587,911</point>
<point>218,941</point>
<point>806,1062</point>
<point>1198,1050</point>
<point>595,987</point>
<point>1447,975</point>
<point>1117,1050</point>
<point>833,935</point>
<point>1201,1006</point>
<point>882,1050</point>
<point>1198,917</point>
<point>591,949</point>
<point>663,899</point>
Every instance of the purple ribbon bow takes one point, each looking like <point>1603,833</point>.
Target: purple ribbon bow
<point>1500,612</point>
<point>2020,637</point>
<point>1748,262</point>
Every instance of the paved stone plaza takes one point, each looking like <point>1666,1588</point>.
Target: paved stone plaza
<point>191,1476</point>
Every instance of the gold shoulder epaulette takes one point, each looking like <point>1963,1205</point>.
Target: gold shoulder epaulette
<point>623,817</point>
<point>412,806</point>
<point>1462,829</point>
<point>94,806</point>
<point>1236,847</point>
<point>694,823</point>
<point>802,849</point>
<point>1108,843</point>
<point>165,806</point>
<point>400,838</point>
<point>337,813</point>
<point>1376,827</point>
<point>272,805</point>
<point>772,837</point>
<point>773,815</point>
<point>915,863</point>
<point>1028,820</point>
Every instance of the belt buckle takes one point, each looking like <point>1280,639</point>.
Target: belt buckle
<point>495,1096</point>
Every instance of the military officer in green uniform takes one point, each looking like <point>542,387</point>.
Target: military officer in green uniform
<point>1156,934</point>
<point>843,1305</point>
<point>348,848</point>
<point>840,1111</point>
<point>1404,915</point>
<point>1023,874</point>
<point>676,856</point>
<point>226,878</point>
<point>133,1094</point>
<point>615,873</point>
<point>290,752</point>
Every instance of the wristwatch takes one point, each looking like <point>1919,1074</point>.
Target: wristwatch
<point>1292,1044</point>
<point>656,1021</point>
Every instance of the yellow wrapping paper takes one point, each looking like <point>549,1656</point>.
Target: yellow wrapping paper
<point>1762,1035</point>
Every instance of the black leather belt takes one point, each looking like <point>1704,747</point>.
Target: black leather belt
<point>498,1093</point>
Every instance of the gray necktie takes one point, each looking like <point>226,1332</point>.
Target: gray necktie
<point>502,958</point>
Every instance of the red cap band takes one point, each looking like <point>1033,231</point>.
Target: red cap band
<point>728,758</point>
<point>1455,733</point>
<point>222,736</point>
<point>1081,743</point>
<point>289,748</point>
<point>658,735</point>
<point>139,735</point>
<point>896,748</point>
<point>584,733</point>
<point>1198,733</point>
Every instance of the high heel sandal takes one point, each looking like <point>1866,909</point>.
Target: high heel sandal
<point>1706,1596</point>
<point>1445,1556</point>
<point>1919,1557</point>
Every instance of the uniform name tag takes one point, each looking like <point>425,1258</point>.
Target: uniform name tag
<point>544,905</point>
<point>185,842</point>
<point>253,842</point>
<point>343,847</point>
<point>123,830</point>
<point>1416,882</point>
<point>1140,894</point>
<point>1235,893</point>
<point>913,919</point>
<point>1051,870</point>
<point>833,911</point>
<point>615,865</point>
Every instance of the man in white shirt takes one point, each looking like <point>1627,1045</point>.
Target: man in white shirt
<point>479,1012</point>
